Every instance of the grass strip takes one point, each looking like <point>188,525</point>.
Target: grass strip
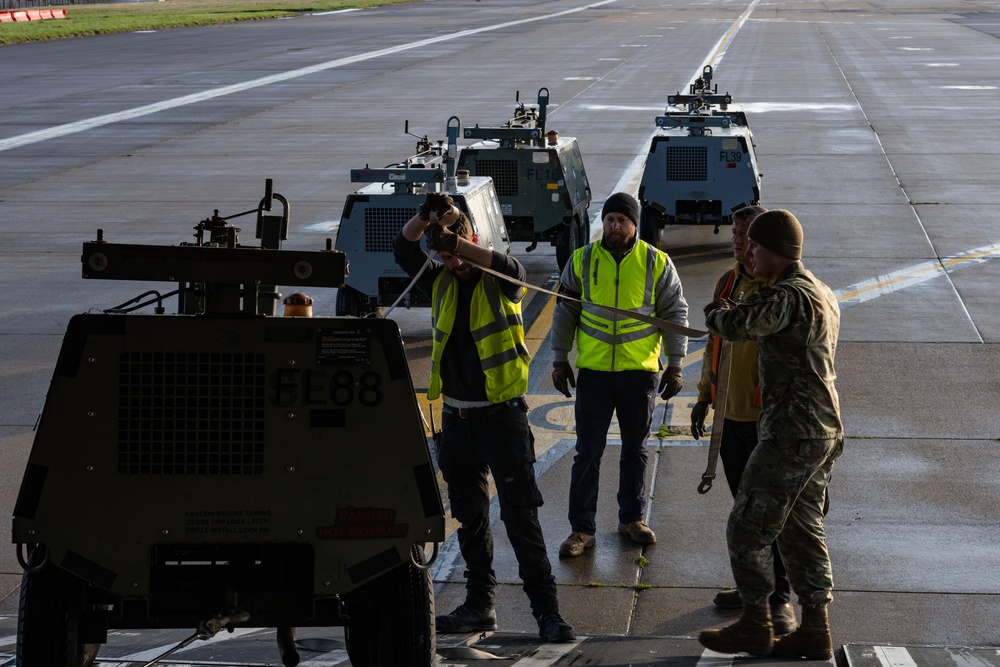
<point>103,19</point>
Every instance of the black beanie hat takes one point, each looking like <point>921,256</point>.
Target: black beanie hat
<point>779,231</point>
<point>624,203</point>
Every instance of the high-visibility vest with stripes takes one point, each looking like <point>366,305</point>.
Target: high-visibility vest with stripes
<point>612,342</point>
<point>497,328</point>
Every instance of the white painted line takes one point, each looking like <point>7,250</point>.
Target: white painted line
<point>894,656</point>
<point>336,11</point>
<point>147,655</point>
<point>629,181</point>
<point>710,658</point>
<point>548,654</point>
<point>128,114</point>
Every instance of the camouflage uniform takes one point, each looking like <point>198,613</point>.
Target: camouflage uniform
<point>781,495</point>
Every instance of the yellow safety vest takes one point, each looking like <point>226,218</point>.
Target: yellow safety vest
<point>497,328</point>
<point>612,342</point>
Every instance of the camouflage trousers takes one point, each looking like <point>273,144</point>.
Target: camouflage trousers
<point>781,498</point>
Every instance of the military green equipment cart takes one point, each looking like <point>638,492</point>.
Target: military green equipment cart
<point>223,467</point>
<point>538,176</point>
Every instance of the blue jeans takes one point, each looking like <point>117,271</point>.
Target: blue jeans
<point>599,395</point>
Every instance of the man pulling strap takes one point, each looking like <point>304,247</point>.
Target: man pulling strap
<point>479,365</point>
<point>782,492</point>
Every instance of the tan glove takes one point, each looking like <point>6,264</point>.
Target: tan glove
<point>442,239</point>
<point>434,204</point>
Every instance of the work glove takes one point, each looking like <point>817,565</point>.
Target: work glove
<point>721,304</point>
<point>562,377</point>
<point>442,239</point>
<point>698,414</point>
<point>671,382</point>
<point>436,203</point>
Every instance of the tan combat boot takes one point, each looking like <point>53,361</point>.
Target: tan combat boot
<point>751,634</point>
<point>811,641</point>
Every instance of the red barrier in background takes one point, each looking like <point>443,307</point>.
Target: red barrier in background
<point>31,15</point>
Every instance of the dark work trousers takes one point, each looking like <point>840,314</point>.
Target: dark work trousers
<point>599,395</point>
<point>501,444</point>
<point>738,441</point>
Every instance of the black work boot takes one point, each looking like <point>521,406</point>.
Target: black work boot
<point>728,599</point>
<point>552,628</point>
<point>467,619</point>
<point>751,634</point>
<point>811,641</point>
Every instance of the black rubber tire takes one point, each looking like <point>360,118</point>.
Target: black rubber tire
<point>348,302</point>
<point>583,230</point>
<point>48,619</point>
<point>394,626</point>
<point>649,230</point>
<point>569,238</point>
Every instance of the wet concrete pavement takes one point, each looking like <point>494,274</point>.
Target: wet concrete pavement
<point>874,122</point>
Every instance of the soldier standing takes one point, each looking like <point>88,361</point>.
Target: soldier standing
<point>739,435</point>
<point>795,322</point>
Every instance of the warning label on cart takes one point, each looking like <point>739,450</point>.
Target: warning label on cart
<point>223,522</point>
<point>360,523</point>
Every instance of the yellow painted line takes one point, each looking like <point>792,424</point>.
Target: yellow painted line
<point>873,288</point>
<point>539,329</point>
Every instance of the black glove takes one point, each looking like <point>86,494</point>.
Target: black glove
<point>671,382</point>
<point>698,414</point>
<point>562,377</point>
<point>442,239</point>
<point>435,202</point>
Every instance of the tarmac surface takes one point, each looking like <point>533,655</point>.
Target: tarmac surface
<point>875,123</point>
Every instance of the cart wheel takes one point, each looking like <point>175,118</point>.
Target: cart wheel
<point>569,237</point>
<point>48,619</point>
<point>649,229</point>
<point>392,619</point>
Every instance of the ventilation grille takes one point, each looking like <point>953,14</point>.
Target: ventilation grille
<point>687,163</point>
<point>503,173</point>
<point>382,225</point>
<point>191,413</point>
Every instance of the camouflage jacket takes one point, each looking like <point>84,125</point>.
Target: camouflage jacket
<point>795,322</point>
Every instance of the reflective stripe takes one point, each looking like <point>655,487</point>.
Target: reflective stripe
<point>499,359</point>
<point>497,328</point>
<point>650,266</point>
<point>617,342</point>
<point>588,252</point>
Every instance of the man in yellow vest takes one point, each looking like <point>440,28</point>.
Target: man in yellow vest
<point>479,366</point>
<point>739,434</point>
<point>619,359</point>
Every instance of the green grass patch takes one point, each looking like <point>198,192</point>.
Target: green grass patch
<point>84,20</point>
